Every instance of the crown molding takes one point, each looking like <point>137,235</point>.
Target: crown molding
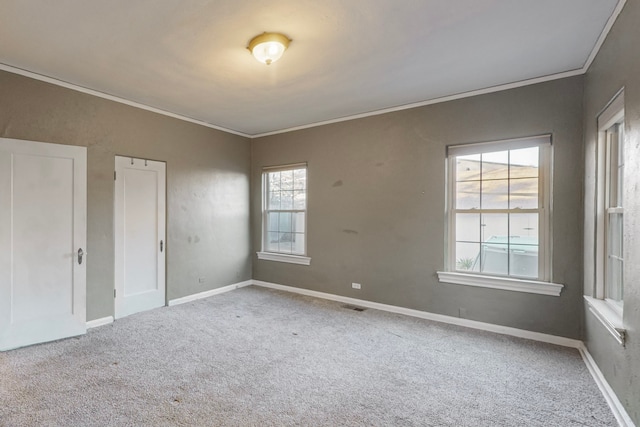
<point>77,88</point>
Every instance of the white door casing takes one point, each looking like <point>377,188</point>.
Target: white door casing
<point>140,243</point>
<point>43,220</point>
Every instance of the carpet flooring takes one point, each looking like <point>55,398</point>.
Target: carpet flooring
<point>259,357</point>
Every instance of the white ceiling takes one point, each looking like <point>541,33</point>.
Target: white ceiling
<point>348,57</point>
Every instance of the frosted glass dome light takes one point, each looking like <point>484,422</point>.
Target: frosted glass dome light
<point>268,47</point>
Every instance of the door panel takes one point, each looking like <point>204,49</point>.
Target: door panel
<point>42,225</point>
<point>141,231</point>
<point>140,227</point>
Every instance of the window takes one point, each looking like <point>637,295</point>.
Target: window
<point>499,215</point>
<point>613,226</point>
<point>608,296</point>
<point>284,214</point>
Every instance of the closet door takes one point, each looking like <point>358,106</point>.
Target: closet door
<point>42,242</point>
<point>139,235</point>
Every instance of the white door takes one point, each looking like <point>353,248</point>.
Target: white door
<point>139,235</point>
<point>43,204</point>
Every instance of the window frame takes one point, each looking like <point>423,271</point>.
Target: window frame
<point>607,311</point>
<point>270,255</point>
<point>542,284</point>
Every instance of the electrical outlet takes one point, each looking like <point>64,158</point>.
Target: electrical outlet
<point>201,280</point>
<point>356,285</point>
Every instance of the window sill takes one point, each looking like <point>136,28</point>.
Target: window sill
<point>504,283</point>
<point>291,259</point>
<point>611,320</point>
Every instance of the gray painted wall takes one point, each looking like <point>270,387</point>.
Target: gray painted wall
<point>376,210</point>
<point>617,65</point>
<point>207,182</point>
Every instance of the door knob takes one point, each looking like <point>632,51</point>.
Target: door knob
<point>80,254</point>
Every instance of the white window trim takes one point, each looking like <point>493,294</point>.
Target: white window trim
<point>543,287</point>
<point>503,283</point>
<point>291,259</point>
<point>609,314</point>
<point>277,256</point>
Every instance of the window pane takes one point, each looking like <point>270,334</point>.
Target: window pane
<point>286,180</point>
<point>524,162</point>
<point>523,193</point>
<point>467,256</point>
<point>620,186</point>
<point>272,221</point>
<point>286,200</point>
<point>298,243</point>
<point>284,244</point>
<point>495,165</point>
<point>273,181</point>
<point>299,199</point>
<point>495,194</point>
<point>300,179</point>
<point>614,261</point>
<point>614,280</point>
<point>523,245</point>
<point>523,261</point>
<point>523,228</point>
<point>468,227</point>
<point>494,226</point>
<point>274,200</point>
<point>298,225</point>
<point>494,258</point>
<point>272,242</point>
<point>468,168</point>
<point>285,222</point>
<point>468,195</point>
<point>614,232</point>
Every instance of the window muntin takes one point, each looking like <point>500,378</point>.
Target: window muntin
<point>285,210</point>
<point>498,195</point>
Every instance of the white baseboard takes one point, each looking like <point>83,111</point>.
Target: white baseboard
<point>609,395</point>
<point>109,319</point>
<point>505,330</point>
<point>99,322</point>
<point>212,292</point>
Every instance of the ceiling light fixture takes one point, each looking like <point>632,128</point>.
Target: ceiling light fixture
<point>268,47</point>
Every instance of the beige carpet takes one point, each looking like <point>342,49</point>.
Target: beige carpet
<point>258,357</point>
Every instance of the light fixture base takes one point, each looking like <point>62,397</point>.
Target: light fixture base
<point>268,47</point>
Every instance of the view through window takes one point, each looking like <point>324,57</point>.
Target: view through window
<point>285,210</point>
<point>497,199</point>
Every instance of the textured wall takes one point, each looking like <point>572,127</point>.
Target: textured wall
<point>377,204</point>
<point>617,65</point>
<point>207,182</point>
